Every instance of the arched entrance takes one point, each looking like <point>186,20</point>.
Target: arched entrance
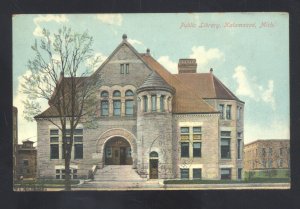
<point>153,163</point>
<point>117,152</point>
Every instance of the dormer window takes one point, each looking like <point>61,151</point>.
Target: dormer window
<point>117,93</point>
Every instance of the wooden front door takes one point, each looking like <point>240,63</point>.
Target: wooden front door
<point>117,152</point>
<point>153,168</point>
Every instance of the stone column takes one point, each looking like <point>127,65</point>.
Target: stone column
<point>122,107</point>
<point>149,103</point>
<point>158,109</point>
<point>166,104</point>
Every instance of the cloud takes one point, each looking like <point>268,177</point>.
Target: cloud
<point>134,42</point>
<point>111,19</point>
<point>38,31</point>
<point>250,88</point>
<point>206,57</point>
<point>168,64</point>
<point>26,129</point>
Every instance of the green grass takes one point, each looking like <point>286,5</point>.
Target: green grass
<point>45,182</point>
<point>256,180</point>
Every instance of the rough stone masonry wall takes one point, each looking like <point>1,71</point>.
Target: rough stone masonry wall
<point>154,131</point>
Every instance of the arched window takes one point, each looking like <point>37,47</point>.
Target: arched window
<point>128,93</point>
<point>153,154</point>
<point>104,94</point>
<point>117,93</point>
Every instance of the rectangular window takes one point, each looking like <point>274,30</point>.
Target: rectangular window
<point>127,68</point>
<point>54,139</point>
<point>221,110</point>
<point>117,107</point>
<point>78,139</point>
<point>197,133</point>
<point>239,148</point>
<point>153,102</point>
<point>145,103</point>
<point>225,148</point>
<point>225,173</point>
<point>240,173</point>
<point>104,108</point>
<point>78,149</point>
<point>129,107</point>
<point>184,149</point>
<point>239,111</point>
<point>228,112</point>
<point>184,133</point>
<point>184,173</point>
<point>197,149</point>
<point>197,173</point>
<point>162,103</point>
<point>54,132</point>
<point>54,151</point>
<point>122,69</point>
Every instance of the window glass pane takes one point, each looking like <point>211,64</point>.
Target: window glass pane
<point>127,68</point>
<point>108,152</point>
<point>225,133</point>
<point>54,151</point>
<point>228,112</point>
<point>57,176</point>
<point>225,148</point>
<point>239,173</point>
<point>145,103</point>
<point>197,173</point>
<point>184,149</point>
<point>128,93</point>
<point>184,173</point>
<point>78,131</point>
<point>196,149</point>
<point>162,103</point>
<point>53,139</point>
<point>78,151</point>
<point>117,93</point>
<point>153,101</point>
<point>197,129</point>
<point>129,107</point>
<point>221,110</point>
<point>184,130</point>
<point>225,173</point>
<point>78,138</point>
<point>54,132</point>
<point>104,108</point>
<point>122,68</point>
<point>104,94</point>
<point>117,107</point>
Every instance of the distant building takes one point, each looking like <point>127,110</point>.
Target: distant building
<point>26,160</point>
<point>267,154</point>
<point>15,140</point>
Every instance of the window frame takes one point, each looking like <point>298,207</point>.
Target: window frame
<point>229,174</point>
<point>197,169</point>
<point>153,103</point>
<point>104,109</point>
<point>117,108</point>
<point>228,112</point>
<point>184,171</point>
<point>199,154</point>
<point>185,153</point>
<point>129,108</point>
<point>225,136</point>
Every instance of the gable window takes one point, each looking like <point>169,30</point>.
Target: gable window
<point>225,144</point>
<point>129,107</point>
<point>117,107</point>
<point>228,112</point>
<point>117,93</point>
<point>221,110</point>
<point>145,98</point>
<point>122,66</point>
<point>54,144</point>
<point>127,68</point>
<point>153,101</point>
<point>185,149</point>
<point>104,108</point>
<point>128,93</point>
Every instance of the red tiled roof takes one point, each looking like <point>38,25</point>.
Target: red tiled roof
<point>185,100</point>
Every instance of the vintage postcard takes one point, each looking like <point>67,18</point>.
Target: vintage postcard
<point>182,101</point>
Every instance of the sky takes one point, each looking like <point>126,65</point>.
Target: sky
<point>249,53</point>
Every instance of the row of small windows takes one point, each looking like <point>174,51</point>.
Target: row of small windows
<point>124,68</point>
<point>227,112</point>
<point>197,173</point>
<point>61,174</point>
<point>154,107</point>
<point>55,143</point>
<point>116,93</point>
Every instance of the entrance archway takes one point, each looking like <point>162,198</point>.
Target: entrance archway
<point>117,152</point>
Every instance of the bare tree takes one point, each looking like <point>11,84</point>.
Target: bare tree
<point>59,74</point>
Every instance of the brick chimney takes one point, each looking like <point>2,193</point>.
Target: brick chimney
<point>187,66</point>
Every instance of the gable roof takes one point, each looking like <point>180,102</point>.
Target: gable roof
<point>207,85</point>
<point>185,100</point>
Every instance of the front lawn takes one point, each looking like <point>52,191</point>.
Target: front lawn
<point>256,180</point>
